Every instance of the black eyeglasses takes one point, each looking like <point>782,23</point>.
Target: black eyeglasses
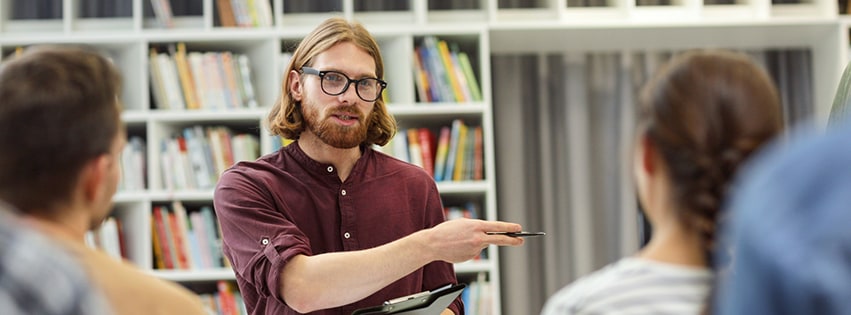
<point>335,83</point>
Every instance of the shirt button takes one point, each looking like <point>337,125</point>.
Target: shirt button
<point>264,241</point>
<point>344,192</point>
<point>347,235</point>
<point>330,169</point>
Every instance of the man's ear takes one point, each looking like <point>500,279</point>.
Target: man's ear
<point>93,178</point>
<point>296,87</point>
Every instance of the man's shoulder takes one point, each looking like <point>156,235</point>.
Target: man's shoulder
<point>128,286</point>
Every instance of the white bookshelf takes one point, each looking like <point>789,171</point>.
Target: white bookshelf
<point>538,27</point>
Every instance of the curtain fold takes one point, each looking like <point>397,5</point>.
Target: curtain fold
<point>564,126</point>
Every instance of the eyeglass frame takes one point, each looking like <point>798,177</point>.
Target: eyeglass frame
<point>321,74</point>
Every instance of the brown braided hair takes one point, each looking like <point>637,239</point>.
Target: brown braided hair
<point>707,111</point>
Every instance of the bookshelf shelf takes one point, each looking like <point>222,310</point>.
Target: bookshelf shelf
<point>466,187</point>
<point>478,28</point>
<point>474,266</point>
<point>183,195</point>
<point>204,275</point>
<point>227,115</point>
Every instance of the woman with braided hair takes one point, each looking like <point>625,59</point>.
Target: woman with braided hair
<point>701,115</point>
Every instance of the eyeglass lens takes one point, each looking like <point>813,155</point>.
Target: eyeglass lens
<point>335,83</point>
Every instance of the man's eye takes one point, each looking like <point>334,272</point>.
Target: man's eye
<point>366,83</point>
<point>334,77</point>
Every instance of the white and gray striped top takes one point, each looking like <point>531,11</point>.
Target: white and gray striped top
<point>634,286</point>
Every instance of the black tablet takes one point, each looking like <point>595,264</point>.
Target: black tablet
<point>423,303</point>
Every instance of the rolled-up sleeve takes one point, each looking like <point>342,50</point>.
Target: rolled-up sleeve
<point>257,236</point>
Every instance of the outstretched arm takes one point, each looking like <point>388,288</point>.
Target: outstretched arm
<point>310,283</point>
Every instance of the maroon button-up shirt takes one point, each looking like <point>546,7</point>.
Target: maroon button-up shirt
<point>286,204</point>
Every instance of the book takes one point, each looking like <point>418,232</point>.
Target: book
<point>178,245</point>
<point>478,154</point>
<point>213,241</point>
<point>160,99</point>
<point>420,79</point>
<point>198,159</point>
<point>156,244</point>
<point>181,224</point>
<point>449,71</point>
<point>451,154</point>
<point>400,146</point>
<point>469,154</point>
<point>225,12</point>
<point>199,232</point>
<point>229,76</point>
<point>164,237</point>
<point>472,82</point>
<point>428,145</point>
<point>187,82</point>
<point>460,154</point>
<point>228,301</point>
<point>441,152</point>
<point>458,73</point>
<point>214,88</point>
<point>163,13</point>
<point>170,82</point>
<point>196,69</point>
<point>133,165</point>
<point>414,148</point>
<point>247,87</point>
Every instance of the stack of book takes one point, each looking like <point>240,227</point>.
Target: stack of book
<point>454,153</point>
<point>200,80</point>
<point>186,240</point>
<point>195,158</point>
<point>443,73</point>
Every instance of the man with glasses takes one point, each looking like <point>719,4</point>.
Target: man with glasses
<point>327,225</point>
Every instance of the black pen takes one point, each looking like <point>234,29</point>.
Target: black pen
<point>518,234</point>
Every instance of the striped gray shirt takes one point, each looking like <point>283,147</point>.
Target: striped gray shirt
<point>634,286</point>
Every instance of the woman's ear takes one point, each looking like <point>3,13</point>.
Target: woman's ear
<point>296,87</point>
<point>647,154</point>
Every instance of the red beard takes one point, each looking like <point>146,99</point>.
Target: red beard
<point>333,133</point>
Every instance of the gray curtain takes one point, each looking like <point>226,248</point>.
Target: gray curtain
<point>564,129</point>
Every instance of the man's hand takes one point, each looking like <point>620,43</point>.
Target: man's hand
<point>460,240</point>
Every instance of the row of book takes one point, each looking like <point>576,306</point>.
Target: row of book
<point>478,296</point>
<point>200,80</point>
<point>186,240</point>
<point>225,301</point>
<point>133,165</point>
<point>443,73</point>
<point>454,153</point>
<point>244,13</point>
<point>195,158</point>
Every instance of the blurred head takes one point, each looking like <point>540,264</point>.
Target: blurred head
<point>60,130</point>
<point>789,228</point>
<point>702,115</point>
<point>288,116</point>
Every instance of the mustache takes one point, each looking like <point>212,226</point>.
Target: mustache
<point>345,110</point>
